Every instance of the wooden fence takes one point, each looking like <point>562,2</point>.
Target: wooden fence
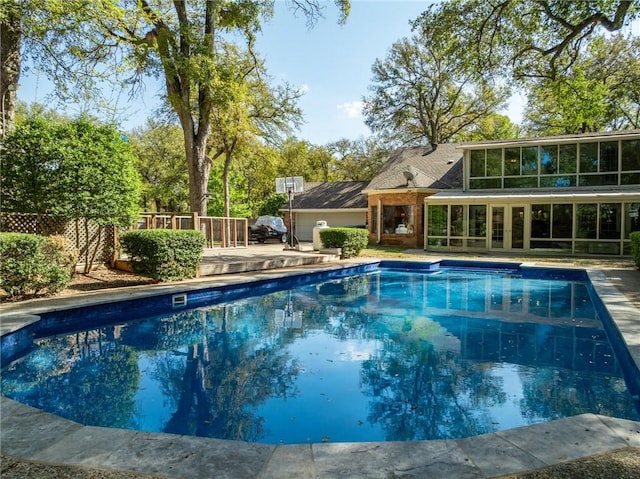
<point>86,236</point>
<point>90,239</point>
<point>221,232</point>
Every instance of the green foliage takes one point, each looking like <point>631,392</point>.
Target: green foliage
<point>159,150</point>
<point>351,240</point>
<point>271,206</point>
<point>32,264</point>
<point>427,91</point>
<point>635,247</point>
<point>164,254</point>
<point>74,169</point>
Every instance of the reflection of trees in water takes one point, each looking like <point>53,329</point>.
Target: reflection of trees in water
<point>216,381</point>
<point>85,376</point>
<point>420,393</point>
<point>554,393</point>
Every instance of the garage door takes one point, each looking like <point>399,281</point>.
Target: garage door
<point>305,222</point>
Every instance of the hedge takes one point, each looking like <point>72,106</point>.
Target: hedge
<point>164,254</point>
<point>635,247</point>
<point>351,240</point>
<point>32,264</point>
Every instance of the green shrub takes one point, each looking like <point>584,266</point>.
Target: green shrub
<point>351,240</point>
<point>32,264</point>
<point>635,247</point>
<point>164,254</point>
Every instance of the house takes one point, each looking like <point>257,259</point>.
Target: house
<point>397,194</point>
<point>339,203</point>
<point>569,195</point>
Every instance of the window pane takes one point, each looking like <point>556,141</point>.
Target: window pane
<point>632,218</point>
<point>477,220</point>
<point>437,220</point>
<point>374,219</point>
<point>511,161</point>
<point>567,161</point>
<point>630,179</point>
<point>528,182</point>
<point>488,184</point>
<point>610,227</point>
<point>587,221</point>
<point>609,156</point>
<point>477,163</point>
<point>540,221</point>
<point>530,160</point>
<point>458,220</point>
<point>549,159</point>
<point>630,155</point>
<point>562,221</point>
<point>557,181</point>
<point>598,180</point>
<point>394,216</point>
<point>588,157</point>
<point>494,162</point>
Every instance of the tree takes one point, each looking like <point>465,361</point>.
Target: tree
<point>159,150</point>
<point>358,160</point>
<point>10,62</point>
<point>425,90</point>
<point>178,42</point>
<point>256,110</point>
<point>76,169</point>
<point>536,38</point>
<point>600,91</point>
<point>492,127</point>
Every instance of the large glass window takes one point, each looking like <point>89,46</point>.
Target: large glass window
<point>562,221</point>
<point>437,225</point>
<point>588,157</point>
<point>530,160</point>
<point>610,215</point>
<point>630,155</point>
<point>549,159</point>
<point>632,218</point>
<point>458,220</point>
<point>477,220</point>
<point>494,162</point>
<point>609,156</point>
<point>540,221</point>
<point>567,161</point>
<point>477,160</point>
<point>397,219</point>
<point>587,221</point>
<point>511,161</point>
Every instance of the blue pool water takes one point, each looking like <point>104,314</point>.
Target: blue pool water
<point>379,356</point>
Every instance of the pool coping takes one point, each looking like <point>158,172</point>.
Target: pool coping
<point>32,434</point>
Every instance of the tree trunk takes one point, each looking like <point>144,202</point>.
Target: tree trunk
<point>10,39</point>
<point>199,171</point>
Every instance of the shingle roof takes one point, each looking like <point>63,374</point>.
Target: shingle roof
<point>331,195</point>
<point>439,168</point>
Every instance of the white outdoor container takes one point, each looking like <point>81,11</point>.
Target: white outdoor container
<point>317,242</point>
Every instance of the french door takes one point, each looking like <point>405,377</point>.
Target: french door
<point>507,228</point>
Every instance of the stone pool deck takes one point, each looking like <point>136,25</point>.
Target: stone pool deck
<point>32,435</point>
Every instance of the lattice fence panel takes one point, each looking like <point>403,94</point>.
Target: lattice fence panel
<point>84,235</point>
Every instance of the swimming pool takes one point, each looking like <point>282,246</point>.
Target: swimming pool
<point>443,350</point>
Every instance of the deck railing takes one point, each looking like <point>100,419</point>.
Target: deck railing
<point>221,232</point>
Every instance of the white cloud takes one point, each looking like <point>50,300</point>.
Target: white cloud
<point>352,109</point>
<point>304,89</point>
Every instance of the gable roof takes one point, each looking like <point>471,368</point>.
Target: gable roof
<point>437,168</point>
<point>331,195</point>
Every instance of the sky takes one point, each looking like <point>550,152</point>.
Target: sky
<point>330,62</point>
